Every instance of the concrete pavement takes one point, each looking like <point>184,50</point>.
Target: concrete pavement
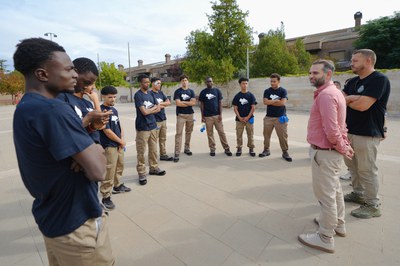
<point>215,210</point>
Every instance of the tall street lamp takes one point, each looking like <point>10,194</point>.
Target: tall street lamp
<point>51,35</point>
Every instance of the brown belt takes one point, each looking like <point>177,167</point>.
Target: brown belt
<point>315,147</point>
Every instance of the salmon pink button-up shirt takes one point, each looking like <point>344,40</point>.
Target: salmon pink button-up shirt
<point>327,123</point>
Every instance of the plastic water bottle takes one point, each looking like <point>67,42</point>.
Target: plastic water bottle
<point>203,127</point>
<point>251,120</point>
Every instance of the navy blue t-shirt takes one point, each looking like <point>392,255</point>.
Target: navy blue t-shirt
<point>184,96</point>
<point>272,94</point>
<point>114,125</point>
<point>46,134</point>
<point>144,122</point>
<point>369,122</point>
<point>160,97</point>
<point>81,107</point>
<point>244,101</point>
<point>210,99</point>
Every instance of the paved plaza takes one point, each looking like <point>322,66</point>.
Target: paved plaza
<point>215,210</point>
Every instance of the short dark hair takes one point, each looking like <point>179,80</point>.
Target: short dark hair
<point>243,79</point>
<point>154,79</point>
<point>337,82</point>
<point>183,77</point>
<point>327,65</point>
<point>33,53</point>
<point>142,76</point>
<point>85,65</point>
<point>108,90</point>
<point>275,75</point>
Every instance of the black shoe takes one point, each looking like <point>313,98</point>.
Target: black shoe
<point>120,189</point>
<point>142,180</point>
<point>264,153</point>
<point>212,153</point>
<point>239,152</point>
<point>252,153</point>
<point>157,171</point>
<point>188,152</point>
<point>228,152</point>
<point>176,158</point>
<point>166,158</point>
<point>108,204</point>
<point>285,155</point>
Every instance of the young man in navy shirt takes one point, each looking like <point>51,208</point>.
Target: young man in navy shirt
<point>275,99</point>
<point>146,130</point>
<point>244,104</point>
<point>211,114</point>
<point>52,148</point>
<point>112,140</point>
<point>161,118</point>
<point>185,99</point>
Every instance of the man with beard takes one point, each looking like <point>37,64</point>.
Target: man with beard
<point>327,135</point>
<point>366,97</point>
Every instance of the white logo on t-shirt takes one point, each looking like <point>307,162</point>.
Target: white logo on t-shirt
<point>210,96</point>
<point>159,100</point>
<point>78,111</point>
<point>114,118</point>
<point>148,104</point>
<point>243,101</point>
<point>185,96</point>
<point>274,97</point>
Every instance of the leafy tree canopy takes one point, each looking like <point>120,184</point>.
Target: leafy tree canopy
<point>383,37</point>
<point>110,76</point>
<point>11,83</point>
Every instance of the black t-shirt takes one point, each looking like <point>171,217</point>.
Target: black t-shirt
<point>113,124</point>
<point>210,99</point>
<point>369,122</point>
<point>244,101</point>
<point>46,134</point>
<point>184,96</point>
<point>160,97</point>
<point>145,122</point>
<point>272,94</point>
<point>81,107</point>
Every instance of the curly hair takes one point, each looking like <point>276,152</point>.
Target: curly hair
<point>33,53</point>
<point>85,65</point>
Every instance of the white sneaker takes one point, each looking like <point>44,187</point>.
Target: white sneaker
<point>346,176</point>
<point>314,241</point>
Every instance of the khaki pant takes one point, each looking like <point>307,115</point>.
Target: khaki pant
<point>212,121</point>
<point>363,168</point>
<point>240,126</point>
<point>87,245</point>
<point>144,139</point>
<point>326,167</point>
<point>281,131</point>
<point>162,136</point>
<point>114,169</point>
<point>181,121</point>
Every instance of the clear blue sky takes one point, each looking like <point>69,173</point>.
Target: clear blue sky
<point>154,28</point>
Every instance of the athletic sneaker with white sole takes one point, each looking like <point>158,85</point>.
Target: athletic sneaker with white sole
<point>318,241</point>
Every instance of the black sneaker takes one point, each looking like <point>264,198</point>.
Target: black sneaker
<point>264,153</point>
<point>188,152</point>
<point>157,171</point>
<point>212,153</point>
<point>228,152</point>
<point>239,152</point>
<point>142,180</point>
<point>176,158</point>
<point>107,204</point>
<point>252,153</point>
<point>120,189</point>
<point>286,156</point>
<point>166,158</point>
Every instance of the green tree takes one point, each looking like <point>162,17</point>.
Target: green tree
<point>273,56</point>
<point>11,83</point>
<point>304,58</point>
<point>383,36</point>
<point>223,51</point>
<point>110,76</point>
